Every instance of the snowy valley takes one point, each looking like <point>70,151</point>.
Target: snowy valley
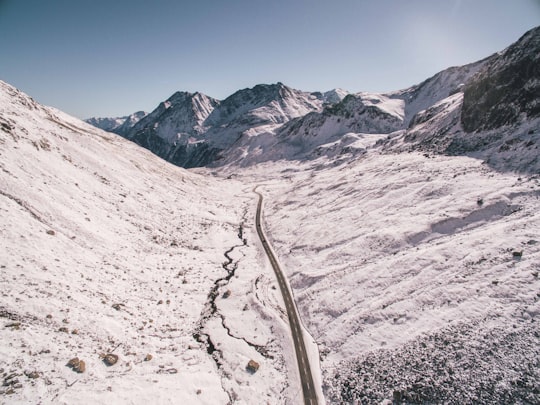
<point>107,249</point>
<point>407,224</point>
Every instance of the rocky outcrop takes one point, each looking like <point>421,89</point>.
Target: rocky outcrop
<point>507,89</point>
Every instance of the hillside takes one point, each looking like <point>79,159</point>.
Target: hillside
<point>107,249</point>
<point>416,275</point>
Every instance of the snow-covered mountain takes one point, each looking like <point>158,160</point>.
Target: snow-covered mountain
<point>129,122</point>
<point>106,124</point>
<point>495,116</point>
<point>118,125</point>
<point>271,122</point>
<point>334,96</point>
<point>488,109</point>
<point>173,130</point>
<point>193,129</point>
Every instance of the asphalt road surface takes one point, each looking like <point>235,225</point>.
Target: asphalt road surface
<point>308,388</point>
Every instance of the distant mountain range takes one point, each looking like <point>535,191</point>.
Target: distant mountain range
<point>444,114</point>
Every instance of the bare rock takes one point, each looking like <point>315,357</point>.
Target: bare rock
<point>81,368</point>
<point>32,374</point>
<point>148,357</point>
<point>77,365</point>
<point>73,362</point>
<point>11,380</point>
<point>110,359</point>
<point>252,366</point>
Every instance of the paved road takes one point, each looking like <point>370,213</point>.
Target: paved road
<point>308,388</point>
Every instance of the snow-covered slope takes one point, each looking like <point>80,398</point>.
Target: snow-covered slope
<point>417,275</point>
<point>107,249</point>
<point>438,87</point>
<point>495,116</point>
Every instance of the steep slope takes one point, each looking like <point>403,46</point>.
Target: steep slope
<point>495,117</point>
<point>173,130</point>
<point>107,249</point>
<point>438,87</point>
<point>507,89</point>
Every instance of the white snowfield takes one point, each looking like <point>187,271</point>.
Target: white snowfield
<point>415,274</point>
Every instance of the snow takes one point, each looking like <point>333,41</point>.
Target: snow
<point>415,273</point>
<point>387,250</point>
<point>106,248</point>
<point>389,105</point>
<point>334,96</point>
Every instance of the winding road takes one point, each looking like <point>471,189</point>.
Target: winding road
<point>308,388</point>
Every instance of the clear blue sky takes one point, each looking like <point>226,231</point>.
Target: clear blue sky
<point>114,57</point>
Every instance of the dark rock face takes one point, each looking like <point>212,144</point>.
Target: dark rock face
<point>508,87</point>
<point>187,155</point>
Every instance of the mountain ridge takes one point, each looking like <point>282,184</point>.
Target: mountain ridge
<point>274,121</point>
